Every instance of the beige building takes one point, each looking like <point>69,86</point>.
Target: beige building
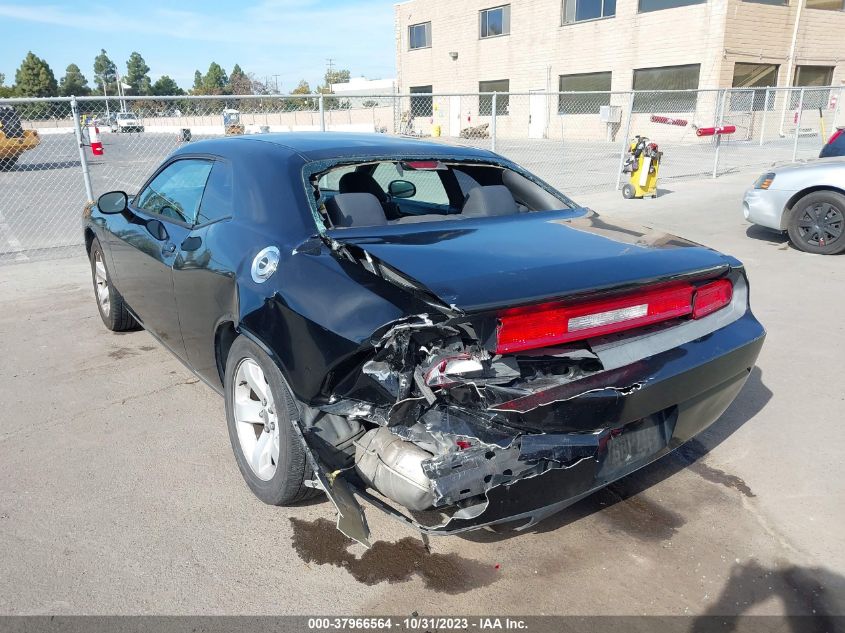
<point>448,46</point>
<point>474,45</point>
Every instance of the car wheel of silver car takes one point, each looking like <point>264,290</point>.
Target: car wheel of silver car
<point>110,304</point>
<point>260,412</point>
<point>816,223</point>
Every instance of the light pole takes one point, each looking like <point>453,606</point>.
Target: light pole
<point>790,62</point>
<point>106,95</point>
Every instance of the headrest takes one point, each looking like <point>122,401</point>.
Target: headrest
<point>360,182</point>
<point>489,200</point>
<point>355,209</point>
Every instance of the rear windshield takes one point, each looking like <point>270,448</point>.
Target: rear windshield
<point>407,191</point>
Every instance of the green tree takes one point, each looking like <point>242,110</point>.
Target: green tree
<point>34,78</point>
<point>332,76</point>
<point>74,83</point>
<point>197,82</point>
<point>215,81</point>
<point>137,75</point>
<point>302,88</point>
<point>5,91</point>
<point>165,86</point>
<point>105,74</point>
<point>239,82</point>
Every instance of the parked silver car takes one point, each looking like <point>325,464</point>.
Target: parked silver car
<point>807,201</point>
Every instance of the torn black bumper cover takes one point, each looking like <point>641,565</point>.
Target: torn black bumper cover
<point>470,441</point>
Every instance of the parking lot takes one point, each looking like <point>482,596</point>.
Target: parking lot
<point>119,493</point>
<point>42,197</point>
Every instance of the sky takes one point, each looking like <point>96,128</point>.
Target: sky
<point>289,38</point>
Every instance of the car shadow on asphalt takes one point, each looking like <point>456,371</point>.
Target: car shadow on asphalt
<point>653,521</point>
<point>61,164</point>
<point>757,232</point>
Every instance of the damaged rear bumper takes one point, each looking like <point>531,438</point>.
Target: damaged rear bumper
<point>664,401</point>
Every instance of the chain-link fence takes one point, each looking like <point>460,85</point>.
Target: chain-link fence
<point>57,154</point>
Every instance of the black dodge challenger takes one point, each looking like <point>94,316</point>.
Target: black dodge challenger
<point>428,328</point>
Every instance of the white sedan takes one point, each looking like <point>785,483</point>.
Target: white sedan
<point>807,201</point>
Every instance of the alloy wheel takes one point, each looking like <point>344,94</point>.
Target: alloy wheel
<point>256,420</point>
<point>101,283</point>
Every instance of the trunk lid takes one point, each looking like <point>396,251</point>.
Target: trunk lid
<point>488,263</point>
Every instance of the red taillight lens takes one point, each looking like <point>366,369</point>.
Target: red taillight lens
<point>548,324</point>
<point>551,324</point>
<point>835,135</point>
<point>711,297</point>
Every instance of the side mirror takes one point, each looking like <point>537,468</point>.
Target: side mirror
<point>113,202</point>
<point>401,189</point>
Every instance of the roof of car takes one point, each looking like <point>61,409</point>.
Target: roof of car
<point>325,145</point>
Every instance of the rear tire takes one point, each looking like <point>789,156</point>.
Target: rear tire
<point>273,462</point>
<point>628,191</point>
<point>817,223</point>
<point>110,303</point>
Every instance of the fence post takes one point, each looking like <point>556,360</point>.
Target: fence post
<point>765,115</point>
<point>83,159</point>
<point>625,141</point>
<point>493,125</point>
<point>723,94</point>
<point>322,114</point>
<point>798,125</point>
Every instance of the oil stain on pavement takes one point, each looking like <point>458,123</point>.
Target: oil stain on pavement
<point>321,543</point>
<point>637,515</point>
<point>693,451</point>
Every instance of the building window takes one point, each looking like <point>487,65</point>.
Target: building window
<point>659,5</point>
<point>485,102</point>
<point>666,78</point>
<point>827,5</point>
<point>596,87</point>
<point>581,10</point>
<point>495,22</point>
<point>419,36</point>
<point>759,76</point>
<point>422,105</point>
<point>810,78</point>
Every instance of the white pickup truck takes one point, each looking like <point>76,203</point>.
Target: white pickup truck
<point>126,122</point>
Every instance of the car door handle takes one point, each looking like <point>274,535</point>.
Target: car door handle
<point>168,249</point>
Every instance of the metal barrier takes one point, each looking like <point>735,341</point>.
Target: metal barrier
<point>574,140</point>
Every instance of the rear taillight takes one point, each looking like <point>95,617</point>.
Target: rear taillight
<point>835,135</point>
<point>548,324</point>
<point>711,297</point>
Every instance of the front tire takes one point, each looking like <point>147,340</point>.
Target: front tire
<point>260,412</point>
<point>628,191</point>
<point>110,303</point>
<point>816,223</point>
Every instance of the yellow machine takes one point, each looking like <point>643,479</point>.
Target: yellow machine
<point>14,140</point>
<point>643,165</point>
<point>232,122</point>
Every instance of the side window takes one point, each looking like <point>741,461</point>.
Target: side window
<point>429,186</point>
<point>176,192</point>
<point>218,199</point>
